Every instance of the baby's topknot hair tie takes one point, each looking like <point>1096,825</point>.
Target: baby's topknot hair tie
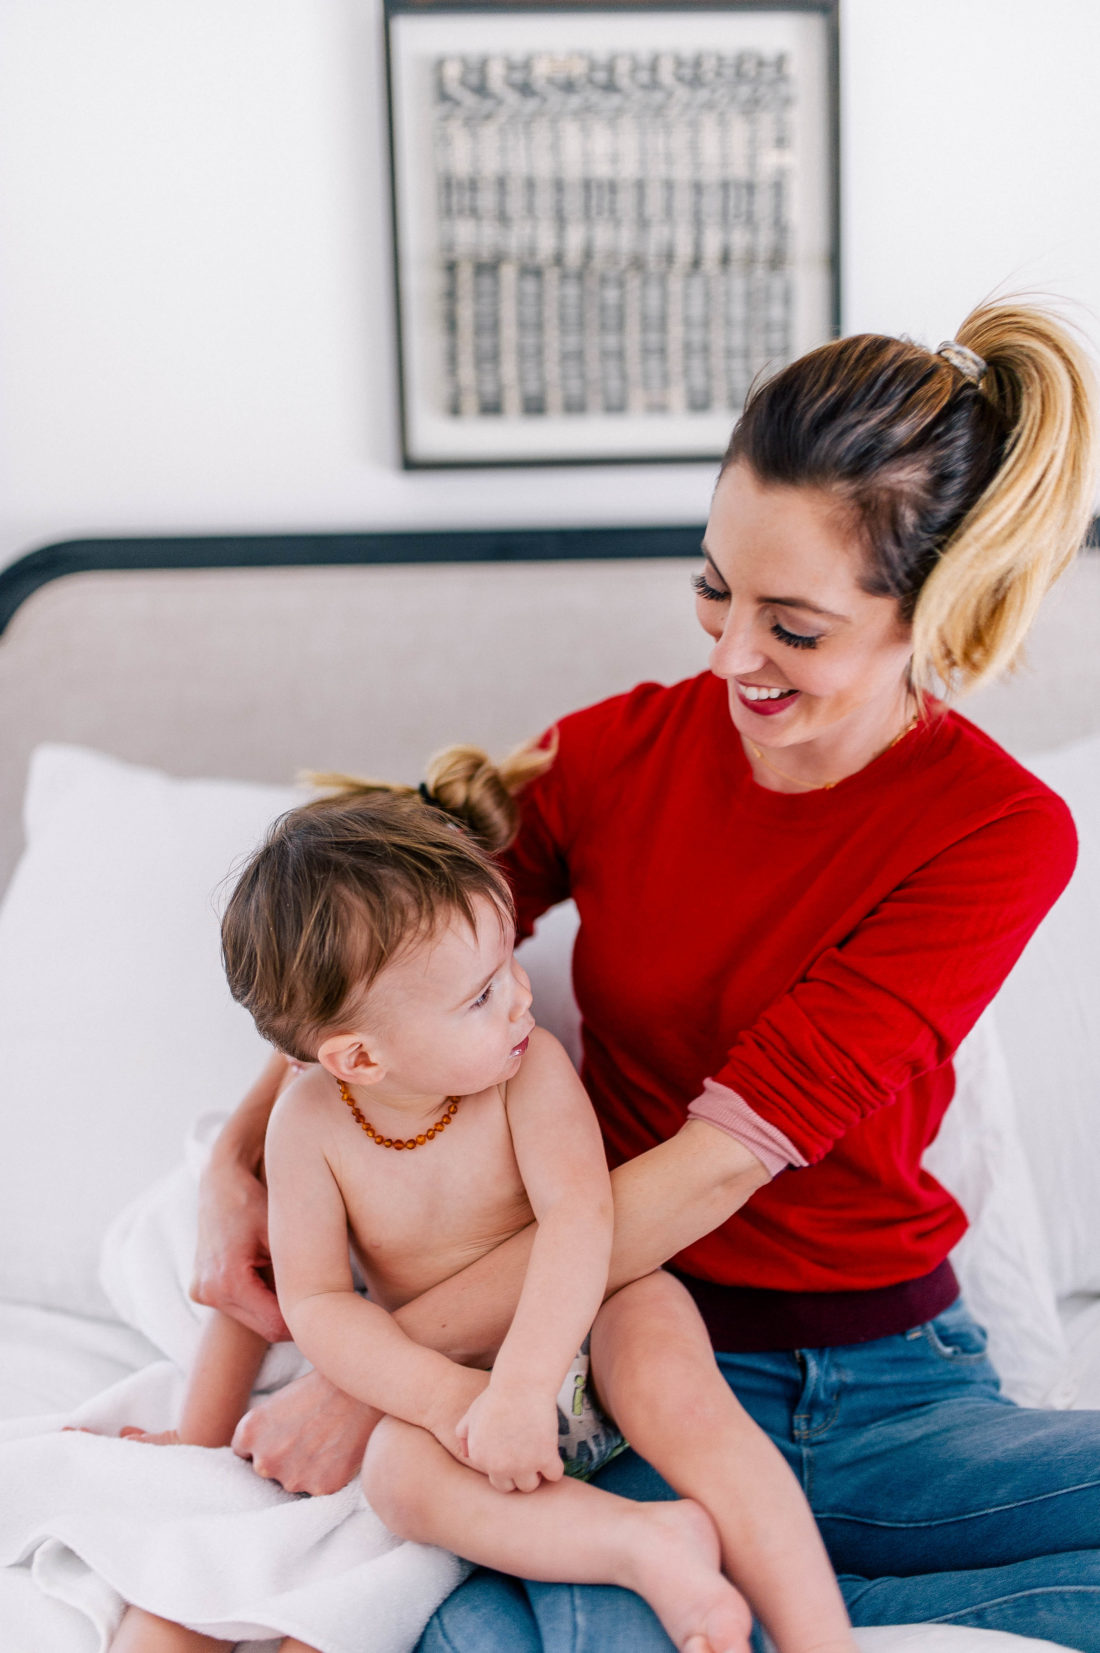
<point>431,800</point>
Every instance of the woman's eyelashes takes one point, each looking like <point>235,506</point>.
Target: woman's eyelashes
<point>793,639</point>
<point>703,588</point>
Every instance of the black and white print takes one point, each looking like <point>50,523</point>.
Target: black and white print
<point>605,234</point>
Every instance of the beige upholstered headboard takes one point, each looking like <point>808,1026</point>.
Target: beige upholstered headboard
<point>258,672</point>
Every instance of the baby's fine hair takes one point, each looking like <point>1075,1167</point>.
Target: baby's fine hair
<point>343,883</point>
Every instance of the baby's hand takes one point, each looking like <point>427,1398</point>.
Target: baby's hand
<point>512,1437</point>
<point>452,1401</point>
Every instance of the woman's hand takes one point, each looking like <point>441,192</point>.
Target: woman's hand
<point>310,1436</point>
<point>232,1260</point>
<point>512,1437</point>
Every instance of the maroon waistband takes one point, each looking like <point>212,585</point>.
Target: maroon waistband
<point>752,1319</point>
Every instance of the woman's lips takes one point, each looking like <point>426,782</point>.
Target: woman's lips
<point>768,708</point>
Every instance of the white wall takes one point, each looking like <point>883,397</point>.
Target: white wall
<point>195,312</point>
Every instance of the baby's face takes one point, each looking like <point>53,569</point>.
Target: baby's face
<point>452,1014</point>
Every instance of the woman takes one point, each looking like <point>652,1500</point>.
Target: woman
<point>800,881</point>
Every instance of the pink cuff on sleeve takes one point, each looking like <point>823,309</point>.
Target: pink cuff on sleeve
<point>720,1106</point>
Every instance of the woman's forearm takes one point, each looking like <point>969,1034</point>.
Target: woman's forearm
<point>241,1139</point>
<point>665,1200</point>
<point>674,1194</point>
<point>232,1262</point>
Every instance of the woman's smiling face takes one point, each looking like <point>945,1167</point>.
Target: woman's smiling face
<point>813,663</point>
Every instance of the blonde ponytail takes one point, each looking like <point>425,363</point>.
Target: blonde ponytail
<point>977,603</point>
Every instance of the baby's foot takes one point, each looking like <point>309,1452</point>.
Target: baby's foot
<point>162,1437</point>
<point>128,1432</point>
<point>678,1562</point>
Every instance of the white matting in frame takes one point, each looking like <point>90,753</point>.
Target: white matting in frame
<point>607,222</point>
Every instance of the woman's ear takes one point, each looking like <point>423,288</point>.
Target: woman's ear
<point>346,1057</point>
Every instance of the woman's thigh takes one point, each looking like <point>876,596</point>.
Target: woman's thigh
<point>1053,1598</point>
<point>914,1462</point>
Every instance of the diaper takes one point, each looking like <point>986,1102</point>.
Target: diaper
<point>587,1439</point>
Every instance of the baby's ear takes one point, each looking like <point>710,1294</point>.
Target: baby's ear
<point>346,1057</point>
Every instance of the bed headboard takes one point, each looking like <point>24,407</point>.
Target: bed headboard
<point>325,661</point>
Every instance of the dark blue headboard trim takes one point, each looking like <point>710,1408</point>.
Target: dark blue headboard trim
<point>52,562</point>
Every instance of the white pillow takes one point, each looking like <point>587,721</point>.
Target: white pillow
<point>116,1027</point>
<point>1002,1260</point>
<point>1049,1015</point>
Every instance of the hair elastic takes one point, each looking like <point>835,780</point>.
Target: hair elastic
<point>968,362</point>
<point>431,800</point>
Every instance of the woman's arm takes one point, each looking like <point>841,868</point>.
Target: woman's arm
<point>232,1259</point>
<point>665,1199</point>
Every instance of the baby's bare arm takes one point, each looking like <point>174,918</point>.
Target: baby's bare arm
<point>560,1155</point>
<point>512,1429</point>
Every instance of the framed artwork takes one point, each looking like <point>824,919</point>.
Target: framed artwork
<point>608,220</point>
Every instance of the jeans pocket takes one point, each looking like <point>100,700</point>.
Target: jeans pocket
<point>954,1336</point>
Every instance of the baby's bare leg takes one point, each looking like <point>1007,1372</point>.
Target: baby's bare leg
<point>219,1384</point>
<point>142,1632</point>
<point>220,1381</point>
<point>564,1532</point>
<point>656,1375</point>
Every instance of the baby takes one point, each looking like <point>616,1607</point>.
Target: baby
<point>371,938</point>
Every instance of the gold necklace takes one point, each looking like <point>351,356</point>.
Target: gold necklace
<point>827,786</point>
<point>396,1142</point>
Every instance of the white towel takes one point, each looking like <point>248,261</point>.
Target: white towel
<point>191,1533</point>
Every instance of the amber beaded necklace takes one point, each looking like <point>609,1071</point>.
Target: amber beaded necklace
<point>396,1142</point>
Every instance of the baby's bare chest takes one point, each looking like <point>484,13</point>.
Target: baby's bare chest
<point>415,1218</point>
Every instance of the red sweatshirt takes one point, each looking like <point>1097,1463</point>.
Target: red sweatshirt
<point>817,955</point>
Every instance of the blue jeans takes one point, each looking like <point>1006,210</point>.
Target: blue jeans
<point>939,1500</point>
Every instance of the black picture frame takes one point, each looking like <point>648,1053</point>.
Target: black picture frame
<point>608,218</point>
